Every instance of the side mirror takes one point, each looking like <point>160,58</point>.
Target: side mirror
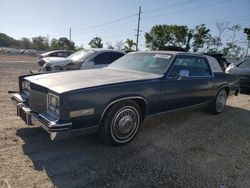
<point>183,73</point>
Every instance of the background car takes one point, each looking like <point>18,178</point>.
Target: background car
<point>57,53</point>
<point>241,69</point>
<point>83,59</point>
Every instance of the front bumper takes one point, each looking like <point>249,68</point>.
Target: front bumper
<point>57,131</point>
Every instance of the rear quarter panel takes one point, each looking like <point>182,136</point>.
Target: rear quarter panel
<point>222,79</point>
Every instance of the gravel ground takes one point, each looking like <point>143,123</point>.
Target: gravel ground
<point>188,149</point>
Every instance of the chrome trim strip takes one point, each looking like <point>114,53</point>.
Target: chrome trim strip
<point>179,109</point>
<point>85,128</point>
<point>121,99</point>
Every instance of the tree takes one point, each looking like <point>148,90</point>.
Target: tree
<point>54,44</point>
<point>25,43</point>
<point>40,43</point>
<point>109,45</point>
<point>119,45</point>
<point>231,50</point>
<point>212,44</point>
<point>65,44</point>
<point>168,35</point>
<point>221,27</point>
<point>96,42</point>
<point>225,41</point>
<point>200,37</point>
<point>62,44</point>
<point>6,41</point>
<point>247,32</point>
<point>130,44</point>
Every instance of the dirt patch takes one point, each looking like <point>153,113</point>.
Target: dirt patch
<point>189,149</point>
<point>7,57</point>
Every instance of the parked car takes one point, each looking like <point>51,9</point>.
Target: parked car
<point>241,69</point>
<point>57,53</point>
<point>83,59</point>
<point>116,99</point>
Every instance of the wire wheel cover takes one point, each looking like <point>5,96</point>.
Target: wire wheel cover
<point>125,124</point>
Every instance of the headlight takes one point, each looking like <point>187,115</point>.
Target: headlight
<point>26,87</point>
<point>53,103</point>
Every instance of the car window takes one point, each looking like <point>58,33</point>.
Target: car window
<point>107,58</point>
<point>62,54</point>
<point>80,55</point>
<point>54,54</point>
<point>215,66</point>
<point>197,66</point>
<point>144,62</point>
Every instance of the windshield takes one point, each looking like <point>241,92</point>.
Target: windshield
<point>144,62</point>
<point>80,55</point>
<point>245,64</point>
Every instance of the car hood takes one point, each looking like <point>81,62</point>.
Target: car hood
<point>53,61</point>
<point>238,71</point>
<point>80,79</point>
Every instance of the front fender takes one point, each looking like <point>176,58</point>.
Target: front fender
<point>122,98</point>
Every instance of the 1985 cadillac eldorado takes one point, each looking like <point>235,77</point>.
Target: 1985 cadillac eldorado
<point>115,100</point>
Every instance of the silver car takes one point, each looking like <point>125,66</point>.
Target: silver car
<point>83,59</point>
<point>241,69</point>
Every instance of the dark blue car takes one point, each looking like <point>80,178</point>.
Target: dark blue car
<point>116,99</point>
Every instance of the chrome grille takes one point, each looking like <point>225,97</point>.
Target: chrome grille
<point>38,101</point>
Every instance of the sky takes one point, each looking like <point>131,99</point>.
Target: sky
<point>115,20</point>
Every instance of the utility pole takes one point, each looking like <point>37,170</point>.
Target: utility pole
<point>138,28</point>
<point>70,34</point>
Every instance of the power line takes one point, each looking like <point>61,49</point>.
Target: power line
<point>171,6</point>
<point>210,22</point>
<point>102,25</point>
<point>188,9</point>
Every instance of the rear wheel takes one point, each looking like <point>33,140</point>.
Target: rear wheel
<point>219,103</point>
<point>48,68</point>
<point>121,123</point>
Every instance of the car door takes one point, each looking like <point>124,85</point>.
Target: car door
<point>105,58</point>
<point>186,83</point>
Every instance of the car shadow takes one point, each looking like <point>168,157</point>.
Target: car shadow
<point>88,162</point>
<point>245,91</point>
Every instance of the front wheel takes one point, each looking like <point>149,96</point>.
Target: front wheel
<point>57,68</point>
<point>219,103</point>
<point>121,123</point>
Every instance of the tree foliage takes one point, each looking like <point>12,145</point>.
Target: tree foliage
<point>129,45</point>
<point>40,43</point>
<point>200,37</point>
<point>109,45</point>
<point>195,39</point>
<point>119,45</point>
<point>62,44</point>
<point>96,42</point>
<point>6,41</point>
<point>166,35</point>
<point>25,43</point>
